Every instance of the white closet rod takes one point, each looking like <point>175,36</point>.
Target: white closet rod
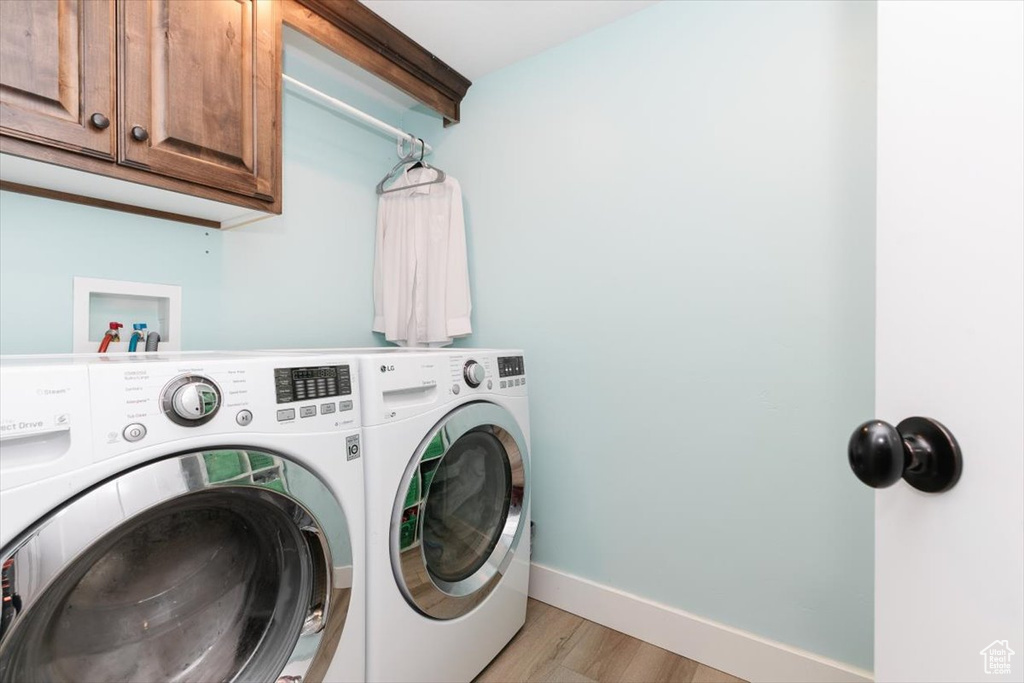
<point>400,135</point>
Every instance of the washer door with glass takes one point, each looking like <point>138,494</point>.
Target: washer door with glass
<point>210,566</point>
<point>459,513</point>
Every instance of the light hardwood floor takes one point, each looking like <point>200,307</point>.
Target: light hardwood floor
<point>559,647</point>
<point>337,615</point>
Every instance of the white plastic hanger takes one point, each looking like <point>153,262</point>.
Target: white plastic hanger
<point>419,163</point>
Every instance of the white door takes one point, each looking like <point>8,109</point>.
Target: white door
<point>949,578</point>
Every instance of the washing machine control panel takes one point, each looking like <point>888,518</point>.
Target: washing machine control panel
<point>511,366</point>
<point>300,384</point>
<point>142,402</point>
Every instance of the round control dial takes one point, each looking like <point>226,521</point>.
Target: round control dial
<point>191,400</point>
<point>474,373</point>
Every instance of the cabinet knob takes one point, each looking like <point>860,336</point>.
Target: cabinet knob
<point>99,121</point>
<point>920,450</point>
<point>140,133</point>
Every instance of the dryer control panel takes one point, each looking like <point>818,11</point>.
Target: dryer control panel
<point>402,385</point>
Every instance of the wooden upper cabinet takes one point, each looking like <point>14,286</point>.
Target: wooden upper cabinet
<point>98,97</point>
<point>199,87</point>
<point>57,73</point>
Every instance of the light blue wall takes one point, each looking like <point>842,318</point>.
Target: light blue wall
<point>299,279</point>
<point>674,216</point>
<point>305,278</point>
<point>44,244</point>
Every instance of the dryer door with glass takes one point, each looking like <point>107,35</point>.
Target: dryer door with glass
<point>208,566</point>
<point>460,510</point>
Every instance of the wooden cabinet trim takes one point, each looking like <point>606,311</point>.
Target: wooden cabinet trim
<point>79,162</point>
<point>350,29</point>
<point>105,204</point>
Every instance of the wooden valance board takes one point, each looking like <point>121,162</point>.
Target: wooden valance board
<point>350,29</point>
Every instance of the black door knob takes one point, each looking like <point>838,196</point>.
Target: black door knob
<point>99,121</point>
<point>920,450</point>
<point>140,133</point>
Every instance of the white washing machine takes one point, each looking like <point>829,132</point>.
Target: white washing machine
<point>181,517</point>
<point>446,437</point>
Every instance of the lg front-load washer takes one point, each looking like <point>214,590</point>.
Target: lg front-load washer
<point>446,437</point>
<point>181,517</point>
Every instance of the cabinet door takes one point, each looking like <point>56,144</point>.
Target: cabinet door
<point>57,73</point>
<point>199,87</point>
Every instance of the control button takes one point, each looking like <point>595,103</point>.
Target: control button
<point>326,408</point>
<point>307,411</point>
<point>504,383</point>
<point>190,400</point>
<point>456,389</point>
<point>344,405</point>
<point>517,382</point>
<point>286,414</point>
<point>524,381</point>
<point>490,384</point>
<point>244,417</point>
<point>473,373</point>
<point>134,432</point>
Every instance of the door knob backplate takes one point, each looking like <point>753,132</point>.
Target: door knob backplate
<point>919,449</point>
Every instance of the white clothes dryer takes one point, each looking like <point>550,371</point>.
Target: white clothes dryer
<point>447,441</point>
<point>181,517</point>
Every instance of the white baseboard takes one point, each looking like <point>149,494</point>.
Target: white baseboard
<point>342,575</point>
<point>722,647</point>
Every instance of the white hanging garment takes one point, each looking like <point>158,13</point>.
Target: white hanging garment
<point>420,270</point>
